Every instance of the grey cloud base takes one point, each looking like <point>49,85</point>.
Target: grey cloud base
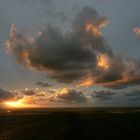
<point>68,96</point>
<point>72,56</point>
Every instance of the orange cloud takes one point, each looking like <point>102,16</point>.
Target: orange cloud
<point>66,57</point>
<point>103,61</point>
<point>87,82</point>
<point>67,95</point>
<point>95,29</point>
<point>137,31</point>
<point>90,27</point>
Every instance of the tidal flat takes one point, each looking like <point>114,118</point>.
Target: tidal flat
<point>69,123</point>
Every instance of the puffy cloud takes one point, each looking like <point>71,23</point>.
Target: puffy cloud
<point>27,98</point>
<point>41,94</point>
<point>29,92</point>
<point>79,55</point>
<point>7,95</point>
<point>132,93</point>
<point>121,73</point>
<point>43,84</point>
<point>66,57</point>
<point>21,98</point>
<point>68,95</point>
<point>30,98</point>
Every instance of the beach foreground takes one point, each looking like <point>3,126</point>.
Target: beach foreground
<point>74,124</point>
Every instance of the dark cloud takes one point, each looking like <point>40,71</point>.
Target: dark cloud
<point>81,54</point>
<point>66,57</point>
<point>29,92</point>
<point>7,95</point>
<point>68,95</point>
<point>103,95</point>
<point>41,94</point>
<point>123,85</point>
<point>43,84</point>
<point>118,86</point>
<point>113,73</point>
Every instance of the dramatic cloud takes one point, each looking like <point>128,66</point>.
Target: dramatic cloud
<point>7,95</point>
<point>43,84</point>
<point>68,96</point>
<point>78,55</point>
<point>123,85</point>
<point>103,95</point>
<point>29,92</point>
<point>66,57</point>
<point>21,99</point>
<point>130,74</point>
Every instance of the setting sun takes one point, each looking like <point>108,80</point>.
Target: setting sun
<point>17,104</point>
<point>25,102</point>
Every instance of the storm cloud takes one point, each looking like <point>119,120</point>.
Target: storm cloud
<point>68,96</point>
<point>66,57</point>
<point>78,55</point>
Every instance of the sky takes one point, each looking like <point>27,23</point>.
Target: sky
<point>70,53</point>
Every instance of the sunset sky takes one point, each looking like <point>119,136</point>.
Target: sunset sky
<point>74,53</point>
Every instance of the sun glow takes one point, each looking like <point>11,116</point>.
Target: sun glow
<point>22,103</point>
<point>17,104</point>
